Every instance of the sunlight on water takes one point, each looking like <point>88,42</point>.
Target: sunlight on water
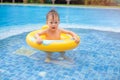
<point>14,30</point>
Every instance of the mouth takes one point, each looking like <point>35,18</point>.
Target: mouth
<point>53,27</point>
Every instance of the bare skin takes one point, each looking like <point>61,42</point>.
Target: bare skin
<point>53,33</point>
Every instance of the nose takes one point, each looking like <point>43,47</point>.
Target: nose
<point>53,24</point>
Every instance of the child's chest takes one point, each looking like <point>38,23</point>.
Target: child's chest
<point>53,36</point>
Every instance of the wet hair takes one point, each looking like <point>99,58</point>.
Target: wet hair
<point>53,13</point>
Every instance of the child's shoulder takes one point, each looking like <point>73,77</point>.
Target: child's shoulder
<point>44,31</point>
<point>61,29</point>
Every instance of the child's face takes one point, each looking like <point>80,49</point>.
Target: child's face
<point>53,22</point>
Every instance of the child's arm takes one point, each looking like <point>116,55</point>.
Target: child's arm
<point>77,40</point>
<point>37,36</point>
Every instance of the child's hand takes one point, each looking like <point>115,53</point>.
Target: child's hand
<point>39,41</point>
<point>77,40</point>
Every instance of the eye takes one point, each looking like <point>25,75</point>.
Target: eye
<point>51,22</point>
<point>56,22</point>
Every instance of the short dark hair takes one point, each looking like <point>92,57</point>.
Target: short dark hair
<point>53,13</point>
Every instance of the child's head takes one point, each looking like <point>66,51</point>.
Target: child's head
<point>53,14</point>
<point>52,19</point>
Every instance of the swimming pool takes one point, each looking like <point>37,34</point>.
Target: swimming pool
<point>96,58</point>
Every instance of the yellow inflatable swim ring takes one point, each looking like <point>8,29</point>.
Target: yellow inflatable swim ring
<point>66,42</point>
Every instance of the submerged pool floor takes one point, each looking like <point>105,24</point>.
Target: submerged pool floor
<point>96,58</point>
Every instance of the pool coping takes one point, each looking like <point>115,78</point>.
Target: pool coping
<point>63,5</point>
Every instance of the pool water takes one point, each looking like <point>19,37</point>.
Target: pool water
<point>96,58</point>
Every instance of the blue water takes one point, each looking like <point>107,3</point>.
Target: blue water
<point>96,58</point>
<point>20,15</point>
